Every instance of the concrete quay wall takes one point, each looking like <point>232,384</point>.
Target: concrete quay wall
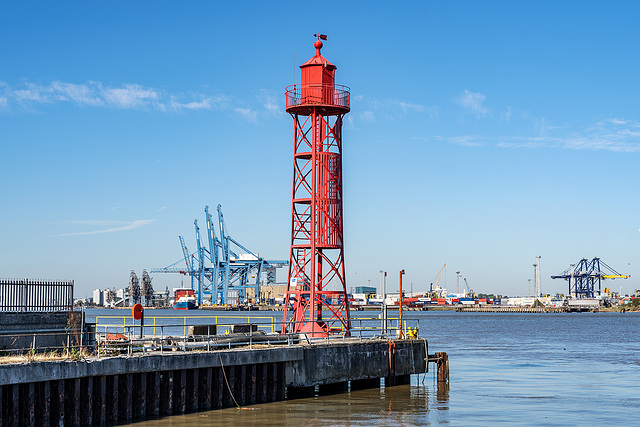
<point>124,389</point>
<point>337,363</point>
<point>33,330</point>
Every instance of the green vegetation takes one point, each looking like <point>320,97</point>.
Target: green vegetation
<point>634,304</point>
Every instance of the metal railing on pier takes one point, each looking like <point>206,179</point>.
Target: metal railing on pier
<point>112,335</point>
<point>123,335</point>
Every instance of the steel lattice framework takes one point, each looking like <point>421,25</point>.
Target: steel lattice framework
<point>586,275</point>
<point>316,301</point>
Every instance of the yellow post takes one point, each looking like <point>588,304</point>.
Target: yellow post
<point>401,302</point>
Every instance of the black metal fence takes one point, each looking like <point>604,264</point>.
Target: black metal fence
<point>27,295</point>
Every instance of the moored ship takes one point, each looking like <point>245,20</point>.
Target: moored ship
<point>185,299</point>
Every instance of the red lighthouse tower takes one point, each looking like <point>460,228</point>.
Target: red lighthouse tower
<point>317,285</point>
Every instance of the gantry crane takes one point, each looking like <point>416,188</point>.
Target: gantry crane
<point>584,276</point>
<point>222,272</point>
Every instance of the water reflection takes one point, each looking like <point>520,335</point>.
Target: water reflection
<point>411,404</point>
<point>442,395</point>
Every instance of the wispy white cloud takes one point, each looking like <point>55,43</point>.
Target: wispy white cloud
<point>129,96</point>
<point>121,226</point>
<point>407,107</point>
<point>247,114</point>
<point>270,103</point>
<point>162,208</point>
<point>474,102</point>
<point>95,94</point>
<point>368,116</point>
<point>204,104</point>
<point>506,116</point>
<point>616,135</point>
<point>383,108</point>
<point>84,94</point>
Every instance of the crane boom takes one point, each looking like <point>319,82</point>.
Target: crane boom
<point>440,275</point>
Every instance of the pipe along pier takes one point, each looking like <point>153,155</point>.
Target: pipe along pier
<point>155,383</point>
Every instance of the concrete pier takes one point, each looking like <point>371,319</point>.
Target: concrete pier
<point>123,389</point>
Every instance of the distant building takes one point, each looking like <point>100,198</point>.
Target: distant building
<point>98,297</point>
<point>365,290</point>
<point>529,301</point>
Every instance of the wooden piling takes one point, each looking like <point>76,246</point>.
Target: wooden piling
<point>443,367</point>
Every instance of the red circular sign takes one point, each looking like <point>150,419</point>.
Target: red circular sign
<point>137,310</point>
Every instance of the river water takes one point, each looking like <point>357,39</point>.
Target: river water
<point>506,369</point>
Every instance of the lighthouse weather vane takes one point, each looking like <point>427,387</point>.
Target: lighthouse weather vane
<point>321,36</point>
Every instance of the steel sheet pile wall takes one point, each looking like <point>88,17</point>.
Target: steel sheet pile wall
<point>126,397</point>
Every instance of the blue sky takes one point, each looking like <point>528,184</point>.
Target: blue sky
<point>482,134</point>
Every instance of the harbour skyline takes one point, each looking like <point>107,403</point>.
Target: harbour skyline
<point>480,135</point>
